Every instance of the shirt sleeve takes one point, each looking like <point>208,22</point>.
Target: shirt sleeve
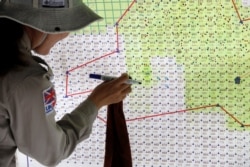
<point>32,121</point>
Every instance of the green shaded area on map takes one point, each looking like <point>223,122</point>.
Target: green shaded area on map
<point>205,36</point>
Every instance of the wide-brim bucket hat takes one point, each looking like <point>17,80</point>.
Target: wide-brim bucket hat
<point>50,16</point>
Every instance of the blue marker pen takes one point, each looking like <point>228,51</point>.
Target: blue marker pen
<point>108,78</point>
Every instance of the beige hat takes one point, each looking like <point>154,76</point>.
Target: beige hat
<point>50,16</point>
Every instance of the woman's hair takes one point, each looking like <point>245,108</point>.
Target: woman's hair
<point>10,34</point>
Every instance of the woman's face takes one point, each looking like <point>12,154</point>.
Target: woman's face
<point>41,42</point>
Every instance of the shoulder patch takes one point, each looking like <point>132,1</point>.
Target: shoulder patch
<point>49,99</point>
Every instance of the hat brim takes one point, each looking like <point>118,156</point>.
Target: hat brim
<point>51,20</point>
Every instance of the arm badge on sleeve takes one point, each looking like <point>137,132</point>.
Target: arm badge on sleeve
<point>49,100</point>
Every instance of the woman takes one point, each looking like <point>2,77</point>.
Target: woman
<point>27,97</point>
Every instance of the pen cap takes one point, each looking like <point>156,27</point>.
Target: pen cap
<point>95,76</point>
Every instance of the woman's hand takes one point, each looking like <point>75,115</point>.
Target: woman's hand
<point>110,92</point>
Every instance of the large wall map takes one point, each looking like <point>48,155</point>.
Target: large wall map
<point>192,57</point>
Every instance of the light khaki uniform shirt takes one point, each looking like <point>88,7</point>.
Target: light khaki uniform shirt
<point>27,116</point>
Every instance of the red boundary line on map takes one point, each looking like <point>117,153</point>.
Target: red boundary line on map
<point>238,13</point>
<point>154,115</point>
<point>183,111</point>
